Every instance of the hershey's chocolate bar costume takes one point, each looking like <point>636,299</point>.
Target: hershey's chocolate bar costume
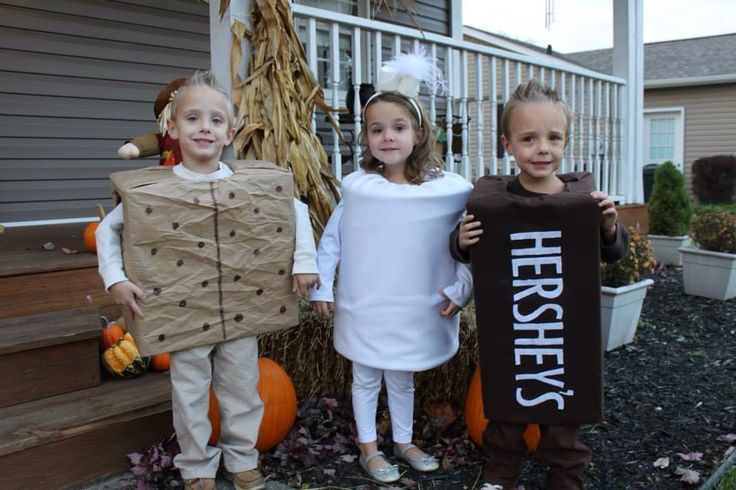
<point>214,257</point>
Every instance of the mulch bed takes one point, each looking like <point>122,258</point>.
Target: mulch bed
<point>673,390</point>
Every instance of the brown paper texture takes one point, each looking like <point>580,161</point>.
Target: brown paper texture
<point>214,257</point>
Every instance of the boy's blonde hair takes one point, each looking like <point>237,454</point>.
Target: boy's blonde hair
<point>533,91</point>
<point>423,163</point>
<point>205,79</point>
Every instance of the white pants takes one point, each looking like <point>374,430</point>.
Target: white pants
<point>366,387</point>
<point>232,369</point>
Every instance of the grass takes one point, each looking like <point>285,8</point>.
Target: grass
<point>728,480</point>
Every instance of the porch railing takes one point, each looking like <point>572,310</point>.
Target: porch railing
<point>346,51</point>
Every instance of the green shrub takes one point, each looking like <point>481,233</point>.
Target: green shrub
<point>714,178</point>
<point>633,267</point>
<point>670,211</point>
<point>715,230</point>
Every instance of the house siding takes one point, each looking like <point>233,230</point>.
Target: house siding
<point>78,78</point>
<point>709,122</point>
<point>430,15</point>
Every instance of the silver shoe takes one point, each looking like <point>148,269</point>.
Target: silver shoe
<point>424,464</point>
<point>382,475</point>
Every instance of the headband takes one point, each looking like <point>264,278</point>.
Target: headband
<point>404,73</point>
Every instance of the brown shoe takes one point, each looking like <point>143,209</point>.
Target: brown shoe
<point>199,484</point>
<point>247,480</point>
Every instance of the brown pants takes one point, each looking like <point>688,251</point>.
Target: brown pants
<point>559,447</point>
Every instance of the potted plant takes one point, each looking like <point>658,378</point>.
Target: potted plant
<point>670,213</point>
<point>709,269</point>
<point>623,289</point>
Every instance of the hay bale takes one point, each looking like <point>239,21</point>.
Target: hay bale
<point>316,369</point>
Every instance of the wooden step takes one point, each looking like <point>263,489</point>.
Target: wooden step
<point>74,438</point>
<point>48,354</point>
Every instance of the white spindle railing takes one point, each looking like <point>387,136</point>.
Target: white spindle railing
<point>478,79</point>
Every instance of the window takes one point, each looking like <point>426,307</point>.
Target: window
<point>664,135</point>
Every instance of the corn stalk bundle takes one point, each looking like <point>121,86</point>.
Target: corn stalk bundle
<point>316,369</point>
<point>275,105</point>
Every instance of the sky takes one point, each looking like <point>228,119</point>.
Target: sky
<point>583,25</point>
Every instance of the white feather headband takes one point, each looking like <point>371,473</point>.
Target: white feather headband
<point>405,73</point>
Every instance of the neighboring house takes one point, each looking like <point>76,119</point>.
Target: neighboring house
<point>689,97</point>
<point>78,78</point>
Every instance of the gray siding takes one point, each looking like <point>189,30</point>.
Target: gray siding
<point>430,16</point>
<point>710,118</point>
<point>78,78</point>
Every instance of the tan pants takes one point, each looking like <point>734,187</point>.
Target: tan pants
<point>232,369</point>
<point>558,447</point>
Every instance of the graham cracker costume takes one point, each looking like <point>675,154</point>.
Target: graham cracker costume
<point>214,257</point>
<point>537,295</point>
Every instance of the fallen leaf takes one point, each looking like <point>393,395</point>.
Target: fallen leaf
<point>49,246</point>
<point>348,458</point>
<point>662,463</point>
<point>408,482</point>
<point>329,471</point>
<point>69,251</point>
<point>729,438</point>
<point>691,456</point>
<point>691,477</point>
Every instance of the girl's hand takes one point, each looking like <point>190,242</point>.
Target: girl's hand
<point>127,294</point>
<point>470,232</point>
<point>303,283</point>
<point>450,309</point>
<point>322,308</point>
<point>609,215</point>
<point>128,151</point>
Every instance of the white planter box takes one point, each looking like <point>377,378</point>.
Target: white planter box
<point>666,248</point>
<point>709,274</point>
<point>620,311</point>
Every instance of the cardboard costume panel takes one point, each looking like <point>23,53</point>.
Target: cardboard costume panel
<point>214,257</point>
<point>537,296</point>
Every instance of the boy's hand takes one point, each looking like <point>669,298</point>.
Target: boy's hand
<point>451,309</point>
<point>303,283</point>
<point>609,215</point>
<point>127,294</point>
<point>322,308</point>
<point>470,232</point>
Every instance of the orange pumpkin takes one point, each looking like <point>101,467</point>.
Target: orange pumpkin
<point>279,406</point>
<point>111,333</point>
<point>159,362</point>
<point>476,421</point>
<point>89,231</point>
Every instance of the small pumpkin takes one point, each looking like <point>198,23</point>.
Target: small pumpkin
<point>279,406</point>
<point>111,333</point>
<point>123,359</point>
<point>476,421</point>
<point>88,235</point>
<point>159,362</point>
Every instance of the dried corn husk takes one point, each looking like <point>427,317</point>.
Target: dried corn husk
<point>275,105</point>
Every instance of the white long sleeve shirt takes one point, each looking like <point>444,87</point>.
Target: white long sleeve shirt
<point>109,251</point>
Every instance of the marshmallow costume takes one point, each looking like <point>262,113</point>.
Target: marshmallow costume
<point>390,242</point>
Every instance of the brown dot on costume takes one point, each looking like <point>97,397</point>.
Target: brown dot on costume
<point>183,303</point>
<point>156,291</point>
<point>231,195</point>
<point>256,252</point>
<point>161,337</point>
<point>196,200</point>
<point>206,326</point>
<point>174,225</point>
<point>279,188</point>
<point>279,229</point>
<point>154,251</point>
<point>282,309</point>
<point>200,244</point>
<point>282,272</point>
<point>259,291</point>
<point>236,278</point>
<point>204,284</point>
<point>149,210</point>
<point>232,233</point>
<point>179,263</point>
<point>238,318</point>
<point>256,210</point>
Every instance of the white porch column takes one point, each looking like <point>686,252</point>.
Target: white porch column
<point>221,46</point>
<point>628,63</point>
